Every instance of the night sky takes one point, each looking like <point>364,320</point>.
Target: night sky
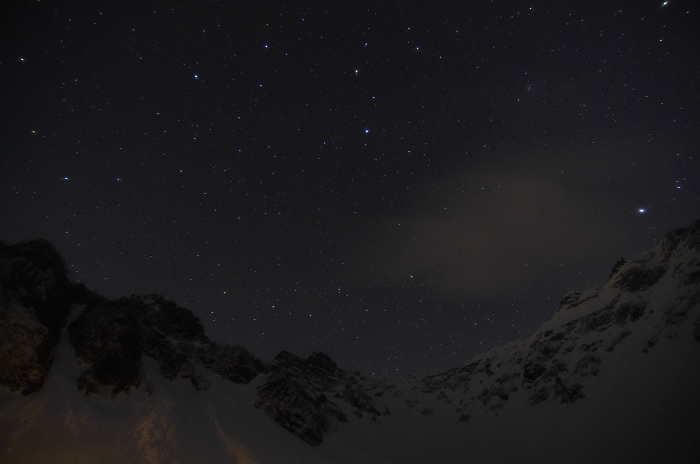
<point>400,185</point>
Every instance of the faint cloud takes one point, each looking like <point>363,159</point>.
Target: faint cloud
<point>496,231</point>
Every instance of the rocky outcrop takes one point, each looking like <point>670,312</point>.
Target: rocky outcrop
<point>113,335</point>
<point>303,395</point>
<point>109,339</point>
<point>35,298</point>
<point>109,336</point>
<point>25,349</point>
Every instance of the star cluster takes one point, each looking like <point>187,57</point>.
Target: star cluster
<point>399,186</point>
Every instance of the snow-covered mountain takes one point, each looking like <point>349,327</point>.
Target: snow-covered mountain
<point>612,376</point>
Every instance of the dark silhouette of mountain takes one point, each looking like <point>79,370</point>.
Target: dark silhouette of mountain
<point>612,375</point>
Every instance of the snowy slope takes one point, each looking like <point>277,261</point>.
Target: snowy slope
<point>612,377</point>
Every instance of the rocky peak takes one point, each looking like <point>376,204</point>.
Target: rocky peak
<point>110,336</point>
<point>35,299</point>
<point>307,396</point>
<point>113,336</point>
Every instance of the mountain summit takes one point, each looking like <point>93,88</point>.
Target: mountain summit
<point>612,376</point>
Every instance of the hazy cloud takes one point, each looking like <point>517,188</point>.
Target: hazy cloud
<point>497,230</point>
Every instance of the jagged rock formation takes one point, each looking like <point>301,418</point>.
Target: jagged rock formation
<point>297,392</point>
<point>35,298</point>
<point>108,335</point>
<point>113,335</point>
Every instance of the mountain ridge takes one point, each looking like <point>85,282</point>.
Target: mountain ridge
<point>648,312</point>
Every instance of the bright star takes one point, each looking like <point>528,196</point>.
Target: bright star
<point>664,3</point>
<point>366,131</point>
<point>642,210</point>
<point>196,76</point>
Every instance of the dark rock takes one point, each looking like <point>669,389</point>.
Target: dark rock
<point>539,396</point>
<point>593,346</point>
<point>621,262</point>
<point>109,338</point>
<point>672,240</point>
<point>166,317</point>
<point>622,313</point>
<point>360,400</point>
<point>25,349</point>
<point>189,371</point>
<point>556,367</point>
<point>34,274</point>
<point>636,312</point>
<point>234,363</point>
<point>289,403</point>
<point>640,278</point>
<point>574,299</point>
<point>322,363</point>
<point>501,393</point>
<point>597,320</point>
<point>693,278</point>
<point>675,316</point>
<point>171,365</point>
<point>540,363</point>
<point>507,377</point>
<point>588,365</point>
<point>35,299</point>
<point>618,338</point>
<point>565,393</point>
<point>532,371</point>
<point>112,335</point>
<point>296,395</point>
<point>571,300</point>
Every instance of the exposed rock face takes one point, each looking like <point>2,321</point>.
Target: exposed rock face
<point>640,278</point>
<point>110,336</point>
<point>35,296</point>
<point>113,335</point>
<point>297,392</point>
<point>25,349</point>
